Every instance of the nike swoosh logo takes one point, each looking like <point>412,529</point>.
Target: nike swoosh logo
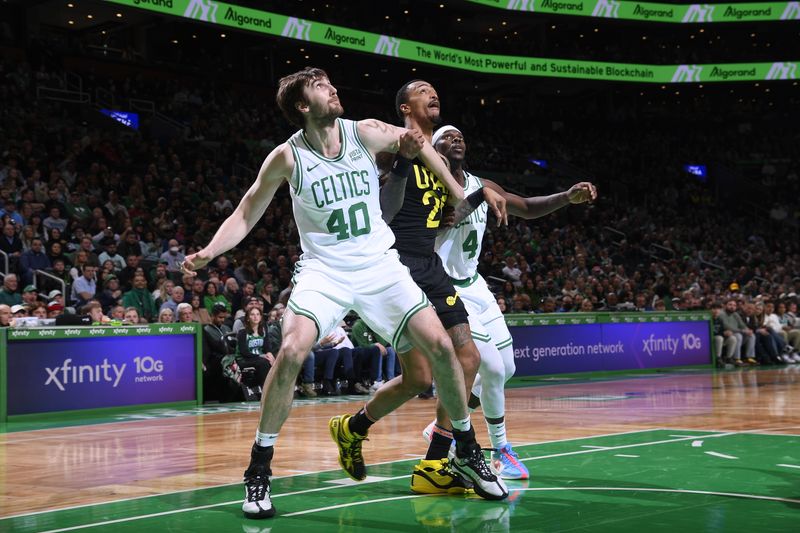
<point>309,169</point>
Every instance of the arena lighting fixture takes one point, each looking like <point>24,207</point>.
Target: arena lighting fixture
<point>70,5</point>
<point>222,35</point>
<point>119,15</point>
<point>89,16</point>
<point>71,22</point>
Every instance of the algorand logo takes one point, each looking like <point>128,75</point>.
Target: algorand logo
<point>521,5</point>
<point>782,71</point>
<point>792,11</point>
<point>388,46</point>
<point>699,13</point>
<point>63,375</point>
<point>606,8</point>
<point>202,9</point>
<point>297,29</point>
<point>686,73</point>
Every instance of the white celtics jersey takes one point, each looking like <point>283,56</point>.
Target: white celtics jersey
<point>336,202</point>
<point>460,246</point>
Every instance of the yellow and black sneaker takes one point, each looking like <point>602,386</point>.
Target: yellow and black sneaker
<point>350,458</point>
<point>433,476</point>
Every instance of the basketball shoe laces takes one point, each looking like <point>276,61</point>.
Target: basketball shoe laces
<point>257,486</point>
<point>477,461</point>
<point>353,453</point>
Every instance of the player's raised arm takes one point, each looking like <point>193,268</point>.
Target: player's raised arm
<point>276,168</point>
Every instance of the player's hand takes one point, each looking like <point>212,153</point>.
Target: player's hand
<point>582,192</point>
<point>269,357</point>
<point>497,204</point>
<point>448,217</point>
<point>411,142</point>
<point>194,262</point>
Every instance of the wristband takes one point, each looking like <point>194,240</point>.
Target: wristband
<point>476,198</point>
<point>401,166</point>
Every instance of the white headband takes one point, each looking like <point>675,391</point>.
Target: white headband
<point>438,134</point>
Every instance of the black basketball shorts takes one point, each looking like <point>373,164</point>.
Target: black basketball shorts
<point>429,274</point>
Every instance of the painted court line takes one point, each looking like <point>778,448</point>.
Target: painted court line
<point>715,454</point>
<point>577,489</point>
<point>596,447</point>
<point>220,485</point>
<point>625,455</point>
<point>790,466</point>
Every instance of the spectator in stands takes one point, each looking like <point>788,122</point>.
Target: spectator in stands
<point>30,295</point>
<point>39,310</point>
<point>140,298</point>
<point>11,244</point>
<point>54,309</point>
<point>5,315</point>
<point>87,246</point>
<point>334,349</point>
<point>364,338</point>
<point>184,313</point>
<point>18,311</point>
<point>32,260</point>
<point>111,294</point>
<point>215,348</point>
<point>126,274</point>
<point>587,306</point>
<point>117,313</point>
<point>722,343</point>
<point>54,221</point>
<point>129,244</point>
<point>176,297</point>
<point>241,315</point>
<point>85,287</point>
<point>166,315</point>
<point>733,324</point>
<point>110,254</point>
<point>173,256</point>
<point>211,297</point>
<point>131,316</point>
<point>198,289</point>
<point>789,326</point>
<point>199,313</point>
<point>9,294</point>
<point>253,346</point>
<point>10,213</point>
<point>232,294</point>
<point>512,272</point>
<point>94,310</point>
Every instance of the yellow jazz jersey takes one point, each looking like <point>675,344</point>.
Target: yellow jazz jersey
<point>336,202</point>
<point>417,222</point>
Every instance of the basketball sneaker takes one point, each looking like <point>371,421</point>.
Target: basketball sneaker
<point>257,502</point>
<point>434,476</point>
<point>350,458</point>
<point>470,463</point>
<point>506,464</point>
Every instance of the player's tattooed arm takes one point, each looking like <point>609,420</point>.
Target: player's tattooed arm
<point>496,202</point>
<point>460,334</point>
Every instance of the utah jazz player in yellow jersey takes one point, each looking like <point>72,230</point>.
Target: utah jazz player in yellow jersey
<point>415,224</point>
<point>347,263</point>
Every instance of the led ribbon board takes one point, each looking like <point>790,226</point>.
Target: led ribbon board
<point>655,12</point>
<point>264,22</point>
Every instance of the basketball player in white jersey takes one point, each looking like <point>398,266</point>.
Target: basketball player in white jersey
<point>460,249</point>
<point>346,265</point>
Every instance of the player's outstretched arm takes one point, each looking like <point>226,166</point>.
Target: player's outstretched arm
<point>539,206</point>
<point>277,167</point>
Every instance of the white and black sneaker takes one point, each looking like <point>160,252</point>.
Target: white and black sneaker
<point>257,502</point>
<point>470,463</point>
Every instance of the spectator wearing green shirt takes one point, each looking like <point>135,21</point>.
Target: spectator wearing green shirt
<point>363,337</point>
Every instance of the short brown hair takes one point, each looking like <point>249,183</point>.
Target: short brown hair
<point>290,92</point>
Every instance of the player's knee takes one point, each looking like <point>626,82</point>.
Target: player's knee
<point>292,352</point>
<point>441,347</point>
<point>511,368</point>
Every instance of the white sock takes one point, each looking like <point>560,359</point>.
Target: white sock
<point>461,425</point>
<point>266,439</point>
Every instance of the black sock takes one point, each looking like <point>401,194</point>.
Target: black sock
<point>360,423</point>
<point>465,440</point>
<point>474,402</point>
<point>260,457</point>
<point>439,447</point>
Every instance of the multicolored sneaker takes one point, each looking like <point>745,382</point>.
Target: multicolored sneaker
<point>506,464</point>
<point>434,476</point>
<point>350,458</point>
<point>470,464</point>
<point>257,502</point>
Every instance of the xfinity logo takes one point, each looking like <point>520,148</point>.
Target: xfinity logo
<point>164,329</point>
<point>699,13</point>
<point>71,332</point>
<point>782,71</point>
<point>686,73</point>
<point>652,344</point>
<point>47,333</point>
<point>97,331</point>
<point>388,46</point>
<point>187,328</point>
<point>142,331</point>
<point>205,10</point>
<point>297,29</point>
<point>606,8</point>
<point>66,374</point>
<point>119,331</point>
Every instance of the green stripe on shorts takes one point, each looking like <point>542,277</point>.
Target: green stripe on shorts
<point>482,338</point>
<point>505,344</point>
<point>308,314</point>
<point>404,322</point>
